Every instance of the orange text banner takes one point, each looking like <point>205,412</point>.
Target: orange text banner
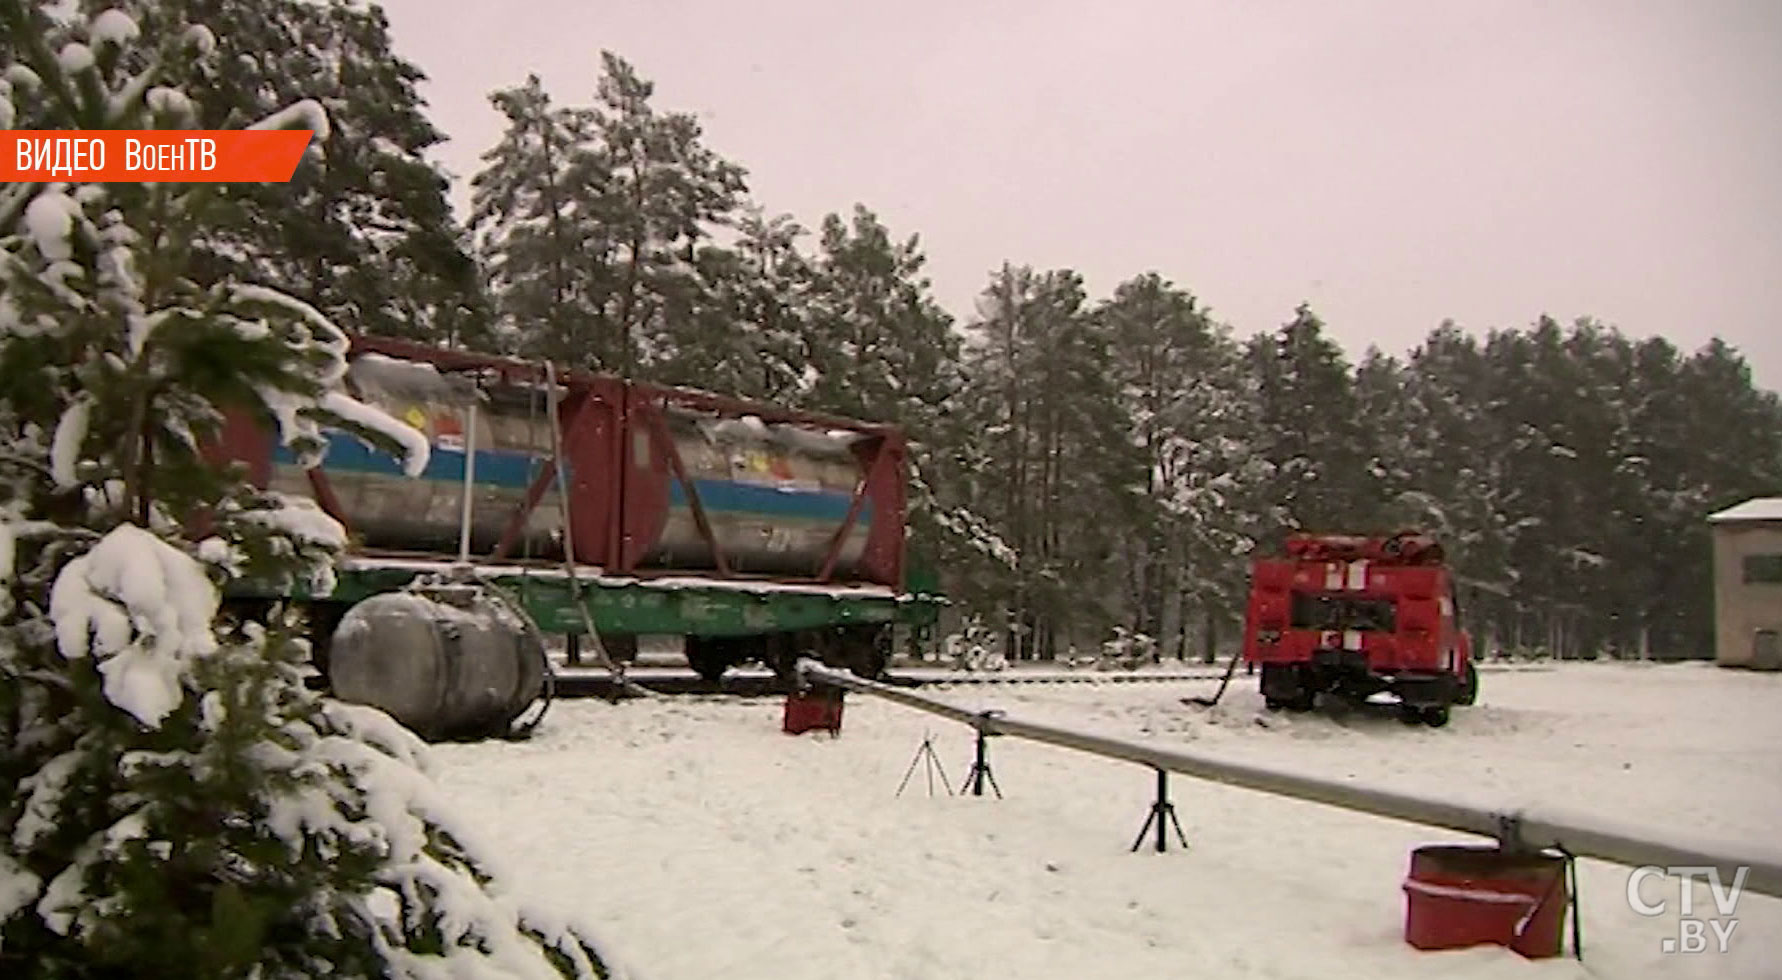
<point>155,155</point>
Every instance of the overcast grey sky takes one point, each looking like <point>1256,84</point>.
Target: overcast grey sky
<point>1393,163</point>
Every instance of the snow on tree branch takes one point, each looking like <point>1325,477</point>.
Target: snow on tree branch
<point>9,544</point>
<point>113,28</point>
<point>144,608</point>
<point>71,433</point>
<point>251,828</point>
<point>18,887</point>
<point>299,519</point>
<point>307,114</point>
<point>416,448</point>
<point>50,221</point>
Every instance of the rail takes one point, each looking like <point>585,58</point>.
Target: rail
<point>1512,827</point>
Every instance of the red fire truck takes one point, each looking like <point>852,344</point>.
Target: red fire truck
<point>1355,616</point>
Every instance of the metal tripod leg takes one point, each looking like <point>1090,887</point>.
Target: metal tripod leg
<point>980,770</point>
<point>926,754</point>
<point>1163,815</point>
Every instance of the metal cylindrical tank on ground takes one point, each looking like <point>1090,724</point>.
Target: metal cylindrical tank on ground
<point>457,664</point>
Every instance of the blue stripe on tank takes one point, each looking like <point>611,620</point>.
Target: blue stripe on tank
<point>727,496</point>
<point>515,470</point>
<point>507,469</point>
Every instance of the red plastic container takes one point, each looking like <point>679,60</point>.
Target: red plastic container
<point>1458,896</point>
<point>813,711</point>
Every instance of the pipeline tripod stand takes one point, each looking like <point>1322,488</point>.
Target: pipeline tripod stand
<point>1162,810</point>
<point>926,756</point>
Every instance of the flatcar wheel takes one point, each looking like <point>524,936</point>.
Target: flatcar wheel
<point>866,650</point>
<point>620,647</point>
<point>1435,716</point>
<point>710,671</point>
<point>779,652</point>
<point>706,656</point>
<point>1410,714</point>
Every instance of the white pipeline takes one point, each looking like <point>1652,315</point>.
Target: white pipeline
<point>1579,834</point>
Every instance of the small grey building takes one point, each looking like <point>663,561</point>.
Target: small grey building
<point>1748,584</point>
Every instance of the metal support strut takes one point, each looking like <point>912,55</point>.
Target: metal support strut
<point>1161,810</point>
<point>980,767</point>
<point>1511,841</point>
<point>1583,837</point>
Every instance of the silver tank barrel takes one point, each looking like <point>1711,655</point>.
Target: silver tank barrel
<point>775,496</point>
<point>386,509</point>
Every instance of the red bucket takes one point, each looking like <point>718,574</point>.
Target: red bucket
<point>1458,896</point>
<point>813,711</point>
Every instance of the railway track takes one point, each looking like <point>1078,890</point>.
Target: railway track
<point>587,682</point>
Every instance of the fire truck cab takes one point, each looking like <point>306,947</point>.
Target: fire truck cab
<point>1354,616</point>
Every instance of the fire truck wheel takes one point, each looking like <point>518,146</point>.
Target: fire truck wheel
<point>1469,685</point>
<point>1409,714</point>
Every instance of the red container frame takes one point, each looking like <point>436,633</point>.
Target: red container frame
<point>619,502</point>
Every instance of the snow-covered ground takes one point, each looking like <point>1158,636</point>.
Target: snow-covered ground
<point>706,843</point>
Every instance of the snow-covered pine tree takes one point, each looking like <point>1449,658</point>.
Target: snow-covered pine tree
<point>1183,389</point>
<point>369,239</point>
<point>1312,432</point>
<point>663,193</point>
<point>881,348</point>
<point>747,334</point>
<point>178,804</point>
<point>534,212</point>
<point>1039,388</point>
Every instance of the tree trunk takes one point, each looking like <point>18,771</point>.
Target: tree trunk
<point>1182,607</point>
<point>1209,654</point>
<point>559,243</point>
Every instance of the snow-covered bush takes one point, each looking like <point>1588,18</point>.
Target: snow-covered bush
<point>177,803</point>
<point>974,647</point>
<point>1127,650</point>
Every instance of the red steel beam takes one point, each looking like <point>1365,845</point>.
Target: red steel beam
<point>840,540</point>
<point>541,484</point>
<point>457,360</point>
<point>665,445</point>
<point>324,491</point>
<point>451,360</point>
<point>516,525</point>
<point>727,405</point>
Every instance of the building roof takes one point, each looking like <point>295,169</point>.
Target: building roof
<point>1755,509</point>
